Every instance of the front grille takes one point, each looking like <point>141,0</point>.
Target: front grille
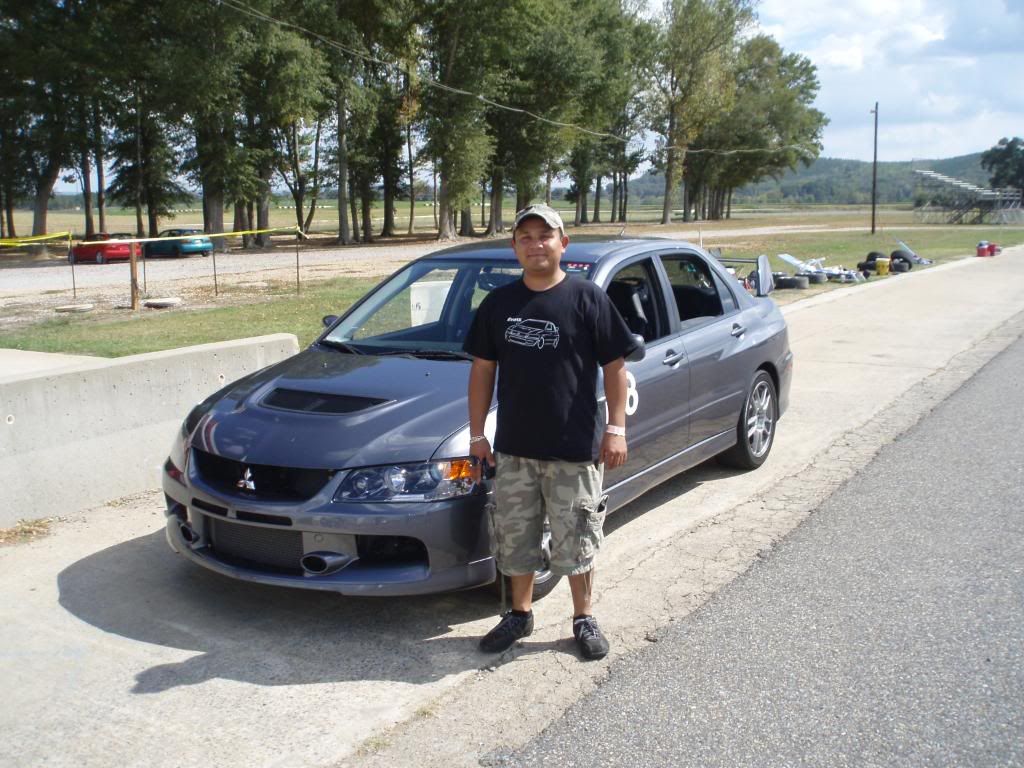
<point>270,482</point>
<point>251,546</point>
<point>391,550</point>
<point>318,402</point>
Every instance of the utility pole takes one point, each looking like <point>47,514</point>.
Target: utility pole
<point>874,173</point>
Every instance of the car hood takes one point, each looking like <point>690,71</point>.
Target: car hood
<point>327,409</point>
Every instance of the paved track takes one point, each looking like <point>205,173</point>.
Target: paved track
<point>887,630</point>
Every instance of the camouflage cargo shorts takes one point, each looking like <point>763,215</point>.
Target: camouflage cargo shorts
<point>568,494</point>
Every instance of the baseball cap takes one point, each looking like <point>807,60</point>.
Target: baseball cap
<point>541,211</point>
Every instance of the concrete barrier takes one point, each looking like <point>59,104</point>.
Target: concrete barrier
<point>82,435</point>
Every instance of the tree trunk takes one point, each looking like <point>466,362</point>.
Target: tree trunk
<point>366,207</point>
<point>388,227</point>
<point>433,192</point>
<point>263,206</point>
<point>353,209</point>
<point>466,222</point>
<point>597,201</point>
<point>547,186</point>
<point>238,225</point>
<point>139,170</point>
<point>98,155</point>
<point>344,236</point>
<point>8,212</point>
<point>624,198</point>
<point>496,224</point>
<point>483,206</point>
<point>412,178</point>
<point>584,187</point>
<point>85,168</point>
<point>615,196</point>
<point>44,188</point>
<point>315,194</point>
<point>728,208</point>
<point>445,217</point>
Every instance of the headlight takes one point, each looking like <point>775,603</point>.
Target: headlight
<point>409,482</point>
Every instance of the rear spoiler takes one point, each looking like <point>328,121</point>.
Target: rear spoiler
<point>761,277</point>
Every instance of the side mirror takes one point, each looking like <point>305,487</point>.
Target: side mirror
<point>329,320</point>
<point>765,281</point>
<point>637,354</point>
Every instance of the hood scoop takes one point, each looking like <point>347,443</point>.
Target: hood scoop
<point>318,402</point>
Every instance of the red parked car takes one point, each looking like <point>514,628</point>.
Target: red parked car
<point>112,249</point>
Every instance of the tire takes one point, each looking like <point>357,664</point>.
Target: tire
<point>760,411</point>
<point>815,278</point>
<point>904,257</point>
<point>900,266</point>
<point>544,581</point>
<point>874,256</point>
<point>799,281</point>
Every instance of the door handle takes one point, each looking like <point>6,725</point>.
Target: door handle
<point>738,330</point>
<point>672,357</point>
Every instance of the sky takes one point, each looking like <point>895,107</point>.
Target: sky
<point>948,74</point>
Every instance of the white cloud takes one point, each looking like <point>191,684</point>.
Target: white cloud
<point>946,72</point>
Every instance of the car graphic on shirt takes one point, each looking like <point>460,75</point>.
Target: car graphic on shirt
<point>533,333</point>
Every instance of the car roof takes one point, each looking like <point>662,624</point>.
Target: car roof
<point>585,249</point>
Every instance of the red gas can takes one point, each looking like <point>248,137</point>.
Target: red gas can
<point>993,249</point>
<point>983,249</point>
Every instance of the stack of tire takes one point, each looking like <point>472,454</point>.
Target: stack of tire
<point>800,280</point>
<point>899,261</point>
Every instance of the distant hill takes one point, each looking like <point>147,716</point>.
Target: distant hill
<point>829,180</point>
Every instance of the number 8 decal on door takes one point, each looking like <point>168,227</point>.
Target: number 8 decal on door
<point>632,397</point>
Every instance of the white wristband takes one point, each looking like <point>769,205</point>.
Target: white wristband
<point>611,429</point>
<point>477,438</point>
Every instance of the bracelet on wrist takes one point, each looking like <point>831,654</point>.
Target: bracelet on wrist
<point>611,429</point>
<point>476,438</point>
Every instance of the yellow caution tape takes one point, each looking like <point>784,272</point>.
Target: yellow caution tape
<point>195,235</point>
<point>14,242</point>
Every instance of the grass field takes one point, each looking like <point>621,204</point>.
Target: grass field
<point>281,310</point>
<point>326,219</point>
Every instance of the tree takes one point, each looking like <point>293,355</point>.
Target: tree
<point>771,127</point>
<point>463,38</point>
<point>1006,163</point>
<point>692,76</point>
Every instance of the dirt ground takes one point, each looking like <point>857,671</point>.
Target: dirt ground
<point>34,286</point>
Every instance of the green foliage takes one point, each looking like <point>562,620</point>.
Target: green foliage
<point>1006,162</point>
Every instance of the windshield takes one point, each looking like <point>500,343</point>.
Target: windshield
<point>427,307</point>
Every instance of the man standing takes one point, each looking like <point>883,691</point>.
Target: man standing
<point>547,334</point>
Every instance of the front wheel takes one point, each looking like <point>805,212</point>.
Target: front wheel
<point>755,430</point>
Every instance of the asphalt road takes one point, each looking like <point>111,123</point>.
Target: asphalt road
<point>887,630</point>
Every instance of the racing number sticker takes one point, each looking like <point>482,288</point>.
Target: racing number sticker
<point>632,396</point>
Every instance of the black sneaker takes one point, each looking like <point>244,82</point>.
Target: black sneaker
<point>592,643</point>
<point>512,627</point>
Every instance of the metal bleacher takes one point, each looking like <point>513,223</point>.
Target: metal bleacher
<point>952,201</point>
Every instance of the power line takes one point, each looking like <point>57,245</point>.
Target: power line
<point>241,7</point>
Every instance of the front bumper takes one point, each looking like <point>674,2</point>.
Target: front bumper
<point>442,545</point>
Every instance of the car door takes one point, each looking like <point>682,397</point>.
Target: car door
<point>658,384</point>
<point>713,334</point>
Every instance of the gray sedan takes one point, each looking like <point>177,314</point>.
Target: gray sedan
<point>346,468</point>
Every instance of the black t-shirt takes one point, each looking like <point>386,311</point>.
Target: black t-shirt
<point>548,345</point>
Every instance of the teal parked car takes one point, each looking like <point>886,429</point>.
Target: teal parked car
<point>200,244</point>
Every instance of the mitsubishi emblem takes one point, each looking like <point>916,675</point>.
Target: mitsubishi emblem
<point>246,482</point>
